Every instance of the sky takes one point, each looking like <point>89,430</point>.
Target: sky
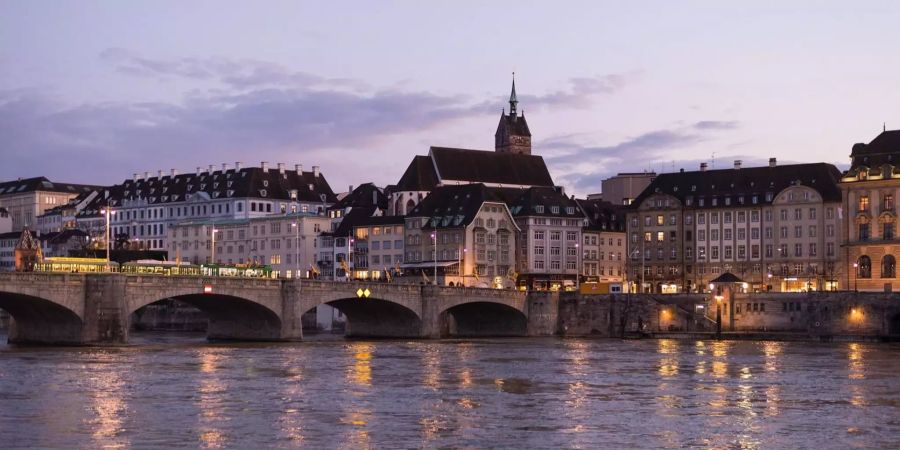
<point>94,91</point>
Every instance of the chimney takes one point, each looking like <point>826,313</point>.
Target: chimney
<point>199,169</point>
<point>773,162</point>
<point>174,172</point>
<point>159,174</point>
<point>281,168</point>
<point>299,168</point>
<point>375,197</point>
<point>737,164</point>
<point>316,171</point>
<point>703,167</point>
<point>224,167</point>
<point>134,177</point>
<point>237,166</point>
<point>146,175</point>
<point>210,171</point>
<point>265,166</point>
<point>350,189</point>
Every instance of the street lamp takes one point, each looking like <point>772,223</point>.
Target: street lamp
<point>856,278</point>
<point>212,257</point>
<point>107,212</point>
<point>718,316</point>
<point>577,267</point>
<point>434,255</point>
<point>296,227</point>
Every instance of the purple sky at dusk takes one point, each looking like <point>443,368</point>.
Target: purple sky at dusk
<point>93,91</point>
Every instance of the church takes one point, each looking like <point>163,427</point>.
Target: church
<point>510,165</point>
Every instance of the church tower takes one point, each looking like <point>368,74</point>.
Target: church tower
<point>512,134</point>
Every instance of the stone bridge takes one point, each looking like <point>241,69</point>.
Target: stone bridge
<point>50,308</point>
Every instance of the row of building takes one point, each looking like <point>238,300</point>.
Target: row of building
<point>497,219</point>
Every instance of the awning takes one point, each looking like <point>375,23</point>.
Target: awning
<point>425,265</point>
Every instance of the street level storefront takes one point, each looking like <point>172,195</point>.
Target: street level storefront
<point>547,282</point>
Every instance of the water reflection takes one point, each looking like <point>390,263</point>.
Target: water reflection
<point>108,397</point>
<point>358,414</point>
<point>857,371</point>
<point>292,395</point>
<point>361,371</point>
<point>668,364</point>
<point>213,417</point>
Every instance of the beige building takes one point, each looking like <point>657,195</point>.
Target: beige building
<point>623,188</point>
<point>870,190</point>
<point>286,243</point>
<point>27,199</point>
<point>466,234</point>
<point>775,227</point>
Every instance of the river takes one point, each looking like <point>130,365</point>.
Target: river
<point>178,391</point>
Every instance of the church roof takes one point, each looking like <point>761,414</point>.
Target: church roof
<point>455,206</point>
<point>480,166</point>
<point>419,176</point>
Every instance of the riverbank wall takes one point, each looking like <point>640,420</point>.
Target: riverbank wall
<point>784,316</point>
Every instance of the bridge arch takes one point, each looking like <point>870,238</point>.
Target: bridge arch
<point>476,312</point>
<point>236,309</point>
<point>374,317</point>
<point>38,320</point>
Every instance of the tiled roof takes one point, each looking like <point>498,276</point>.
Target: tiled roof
<point>480,166</point>
<point>602,215</point>
<point>366,194</point>
<point>545,202</point>
<point>741,184</point>
<point>457,206</point>
<point>884,149</point>
<point>42,184</point>
<point>248,182</point>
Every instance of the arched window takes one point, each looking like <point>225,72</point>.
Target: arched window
<point>397,208</point>
<point>888,267</point>
<point>865,267</point>
<point>410,204</point>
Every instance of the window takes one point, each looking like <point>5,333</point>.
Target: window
<point>648,237</point>
<point>864,232</point>
<point>672,219</point>
<point>660,219</point>
<point>863,204</point>
<point>571,236</point>
<point>727,217</point>
<point>887,203</point>
<point>887,231</point>
<point>888,267</point>
<point>812,213</point>
<point>812,249</point>
<point>798,250</point>
<point>660,236</point>
<point>728,254</point>
<point>714,235</point>
<point>726,234</point>
<point>798,231</point>
<point>768,215</point>
<point>798,214</point>
<point>829,249</point>
<point>701,219</point>
<point>864,267</point>
<point>539,235</point>
<point>783,214</point>
<point>555,235</point>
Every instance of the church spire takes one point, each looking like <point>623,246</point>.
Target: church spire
<point>513,101</point>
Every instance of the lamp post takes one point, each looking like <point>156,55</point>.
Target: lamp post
<point>577,267</point>
<point>107,212</point>
<point>349,243</point>
<point>856,277</point>
<point>212,248</point>
<point>718,316</point>
<point>434,254</point>
<point>296,227</point>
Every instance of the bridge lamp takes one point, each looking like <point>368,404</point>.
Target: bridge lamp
<point>107,212</point>
<point>296,227</point>
<point>212,257</point>
<point>434,243</point>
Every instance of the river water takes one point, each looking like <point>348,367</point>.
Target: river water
<point>178,391</point>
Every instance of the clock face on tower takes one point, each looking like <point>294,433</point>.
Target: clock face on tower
<point>518,140</point>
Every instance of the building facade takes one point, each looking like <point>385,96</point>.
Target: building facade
<point>462,236</point>
<point>604,242</point>
<point>378,247</point>
<point>623,188</point>
<point>145,207</point>
<point>775,227</point>
<point>286,243</point>
<point>870,190</point>
<point>27,199</point>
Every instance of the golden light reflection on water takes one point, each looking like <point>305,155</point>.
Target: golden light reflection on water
<point>432,368</point>
<point>720,364</point>
<point>358,420</point>
<point>212,390</point>
<point>360,372</point>
<point>856,365</point>
<point>109,406</point>
<point>773,399</point>
<point>292,391</point>
<point>772,351</point>
<point>668,364</point>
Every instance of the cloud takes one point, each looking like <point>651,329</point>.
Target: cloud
<point>583,166</point>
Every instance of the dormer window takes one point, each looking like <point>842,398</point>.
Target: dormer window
<point>262,193</point>
<point>190,187</point>
<point>165,189</point>
<point>216,194</point>
<point>230,192</point>
<point>554,209</point>
<point>570,210</point>
<point>539,209</point>
<point>229,183</point>
<point>265,183</point>
<point>215,185</point>
<point>203,187</point>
